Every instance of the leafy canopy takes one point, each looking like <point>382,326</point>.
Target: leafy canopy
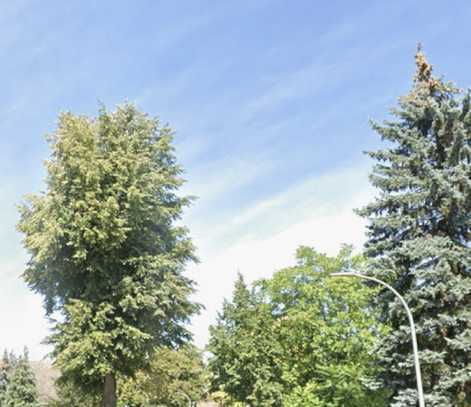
<point>299,338</point>
<point>173,377</point>
<point>105,248</point>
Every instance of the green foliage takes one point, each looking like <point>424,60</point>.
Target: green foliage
<point>17,382</point>
<point>224,400</point>
<point>172,377</point>
<point>133,391</point>
<point>245,354</point>
<point>5,368</point>
<point>69,394</point>
<point>419,240</point>
<point>106,252</point>
<point>299,338</point>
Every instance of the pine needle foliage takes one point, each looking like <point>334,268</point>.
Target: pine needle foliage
<point>419,239</point>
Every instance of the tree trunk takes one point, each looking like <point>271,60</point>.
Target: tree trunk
<point>109,391</point>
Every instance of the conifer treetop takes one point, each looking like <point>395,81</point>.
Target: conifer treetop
<point>424,79</point>
<point>424,68</point>
<point>419,240</point>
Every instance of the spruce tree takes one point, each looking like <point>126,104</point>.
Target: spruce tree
<point>21,385</point>
<point>5,368</point>
<point>419,239</point>
<point>106,250</point>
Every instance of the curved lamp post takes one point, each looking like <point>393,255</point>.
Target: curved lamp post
<point>418,374</point>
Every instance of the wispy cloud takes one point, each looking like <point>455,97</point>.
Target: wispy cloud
<point>269,101</point>
<point>219,178</point>
<point>263,238</point>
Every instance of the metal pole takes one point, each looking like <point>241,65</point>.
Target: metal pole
<point>418,373</point>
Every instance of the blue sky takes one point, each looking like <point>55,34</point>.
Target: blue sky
<point>270,101</point>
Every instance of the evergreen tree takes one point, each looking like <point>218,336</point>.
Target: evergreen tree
<point>5,368</point>
<point>245,354</point>
<point>105,250</point>
<point>21,385</point>
<point>419,239</point>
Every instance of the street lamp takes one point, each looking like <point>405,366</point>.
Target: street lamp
<point>418,374</point>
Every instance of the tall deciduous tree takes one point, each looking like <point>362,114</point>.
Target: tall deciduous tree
<point>419,239</point>
<point>105,248</point>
